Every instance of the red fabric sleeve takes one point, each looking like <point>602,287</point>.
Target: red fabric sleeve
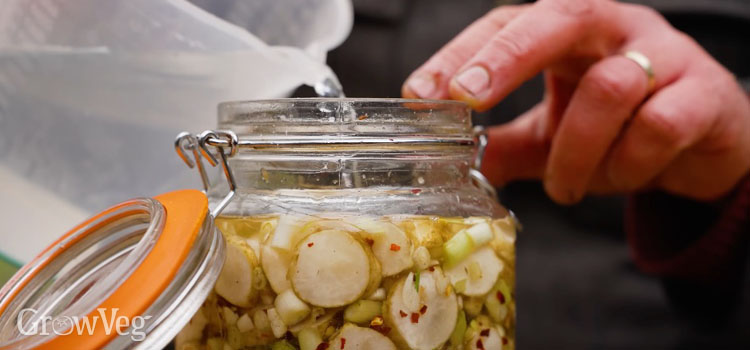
<point>673,237</point>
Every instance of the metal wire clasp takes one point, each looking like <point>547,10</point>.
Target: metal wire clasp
<point>199,147</point>
<point>481,140</point>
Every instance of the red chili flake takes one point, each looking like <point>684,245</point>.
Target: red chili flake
<point>322,346</point>
<point>501,297</point>
<point>395,247</point>
<point>370,241</point>
<point>383,329</point>
<point>485,332</point>
<point>423,309</point>
<point>343,342</point>
<point>402,313</point>
<point>431,268</point>
<point>416,190</point>
<point>310,244</point>
<point>480,345</point>
<point>414,317</point>
<point>505,341</point>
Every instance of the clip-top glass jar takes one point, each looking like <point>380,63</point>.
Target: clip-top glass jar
<point>355,224</point>
<point>347,224</point>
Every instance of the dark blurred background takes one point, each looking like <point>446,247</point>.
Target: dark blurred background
<point>577,286</point>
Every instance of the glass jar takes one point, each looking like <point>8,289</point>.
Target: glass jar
<point>355,224</point>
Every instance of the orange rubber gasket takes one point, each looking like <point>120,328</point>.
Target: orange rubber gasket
<point>186,211</point>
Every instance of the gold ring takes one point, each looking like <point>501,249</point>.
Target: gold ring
<point>645,63</point>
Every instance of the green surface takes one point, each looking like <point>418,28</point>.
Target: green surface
<point>7,269</point>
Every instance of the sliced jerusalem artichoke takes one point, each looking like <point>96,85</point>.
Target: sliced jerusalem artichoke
<point>193,331</point>
<point>277,324</point>
<point>290,308</point>
<point>424,232</point>
<point>479,272</point>
<point>486,339</point>
<point>288,226</point>
<point>353,337</point>
<point>245,323</point>
<point>329,224</point>
<point>378,295</point>
<point>276,263</point>
<point>252,230</point>
<point>432,324</point>
<point>291,229</point>
<point>498,302</point>
<point>389,243</point>
<point>235,282</point>
<point>332,269</point>
<point>505,238</point>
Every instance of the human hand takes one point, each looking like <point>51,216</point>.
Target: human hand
<point>600,127</point>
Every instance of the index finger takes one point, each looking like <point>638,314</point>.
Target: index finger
<point>432,78</point>
<point>536,38</point>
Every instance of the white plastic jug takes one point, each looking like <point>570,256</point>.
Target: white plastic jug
<point>92,94</point>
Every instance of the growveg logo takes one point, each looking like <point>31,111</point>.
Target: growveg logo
<point>29,322</point>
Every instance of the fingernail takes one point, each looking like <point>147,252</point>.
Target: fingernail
<point>422,85</point>
<point>475,80</point>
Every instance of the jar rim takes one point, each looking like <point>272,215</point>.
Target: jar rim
<point>359,117</point>
<point>376,100</point>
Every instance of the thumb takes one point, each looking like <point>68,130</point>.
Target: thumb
<point>518,149</point>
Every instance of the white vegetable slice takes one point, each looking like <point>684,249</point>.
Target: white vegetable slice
<point>331,269</point>
<point>276,263</point>
<point>389,243</point>
<point>490,341</point>
<point>192,331</point>
<point>378,295</point>
<point>245,323</point>
<point>286,229</point>
<point>277,325</point>
<point>230,317</point>
<point>255,245</point>
<point>291,308</point>
<point>505,238</point>
<point>426,232</point>
<point>260,320</point>
<point>422,257</point>
<point>410,296</point>
<point>432,324</point>
<point>480,233</point>
<point>490,266</point>
<point>235,282</point>
<point>330,224</point>
<point>353,337</point>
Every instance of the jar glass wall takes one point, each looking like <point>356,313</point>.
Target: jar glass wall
<point>357,224</point>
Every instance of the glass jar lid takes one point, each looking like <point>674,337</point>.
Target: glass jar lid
<point>338,119</point>
<point>130,276</point>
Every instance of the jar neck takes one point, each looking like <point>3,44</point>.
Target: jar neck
<point>331,169</point>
